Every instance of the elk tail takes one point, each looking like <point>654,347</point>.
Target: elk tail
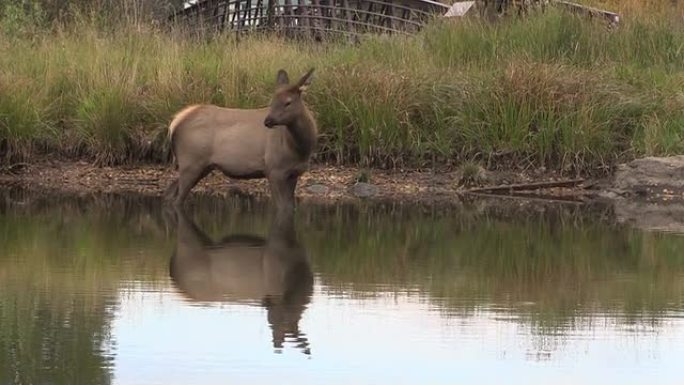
<point>171,154</point>
<point>171,151</point>
<point>178,119</point>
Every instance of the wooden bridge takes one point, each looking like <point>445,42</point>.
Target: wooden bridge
<point>311,18</point>
<point>319,19</point>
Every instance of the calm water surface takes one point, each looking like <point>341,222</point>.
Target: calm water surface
<point>111,290</point>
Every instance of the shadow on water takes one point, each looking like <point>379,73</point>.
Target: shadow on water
<point>274,271</point>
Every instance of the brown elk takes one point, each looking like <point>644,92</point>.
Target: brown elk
<point>275,272</point>
<point>275,142</point>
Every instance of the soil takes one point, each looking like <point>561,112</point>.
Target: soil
<point>652,210</point>
<point>320,184</point>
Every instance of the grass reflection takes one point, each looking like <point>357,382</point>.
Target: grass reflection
<point>553,269</point>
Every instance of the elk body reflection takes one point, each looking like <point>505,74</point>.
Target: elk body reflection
<point>274,271</point>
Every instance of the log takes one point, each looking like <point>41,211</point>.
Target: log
<point>13,168</point>
<point>527,186</point>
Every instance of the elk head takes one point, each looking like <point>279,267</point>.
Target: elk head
<point>287,104</point>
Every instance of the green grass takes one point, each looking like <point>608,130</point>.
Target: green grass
<point>550,90</point>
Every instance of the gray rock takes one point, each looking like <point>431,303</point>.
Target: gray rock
<point>651,176</point>
<point>364,190</point>
<point>317,189</point>
<point>608,194</point>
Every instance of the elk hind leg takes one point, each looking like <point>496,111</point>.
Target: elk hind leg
<point>187,179</point>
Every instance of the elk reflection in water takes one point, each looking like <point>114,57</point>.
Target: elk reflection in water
<point>274,271</point>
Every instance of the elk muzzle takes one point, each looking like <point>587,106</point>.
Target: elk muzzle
<point>269,122</point>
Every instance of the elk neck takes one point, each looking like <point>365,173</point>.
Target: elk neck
<point>303,132</point>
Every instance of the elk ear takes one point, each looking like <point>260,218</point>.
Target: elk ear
<point>282,78</point>
<point>304,82</point>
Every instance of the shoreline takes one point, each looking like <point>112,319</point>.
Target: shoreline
<point>656,210</point>
<point>321,184</point>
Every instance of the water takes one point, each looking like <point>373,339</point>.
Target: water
<point>108,290</point>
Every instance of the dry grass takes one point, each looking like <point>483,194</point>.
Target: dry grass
<point>552,90</point>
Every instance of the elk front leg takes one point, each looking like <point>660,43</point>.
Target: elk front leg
<point>171,192</point>
<point>283,191</point>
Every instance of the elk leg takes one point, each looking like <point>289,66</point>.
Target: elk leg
<point>291,187</point>
<point>278,191</point>
<point>171,191</point>
<point>188,233</point>
<point>169,218</point>
<point>282,191</point>
<point>188,178</point>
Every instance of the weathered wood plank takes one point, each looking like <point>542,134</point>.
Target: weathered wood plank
<point>612,17</point>
<point>459,9</point>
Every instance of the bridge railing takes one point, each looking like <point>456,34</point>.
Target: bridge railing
<point>319,19</point>
<point>313,18</point>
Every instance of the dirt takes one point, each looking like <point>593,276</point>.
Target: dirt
<point>654,211</point>
<point>321,183</point>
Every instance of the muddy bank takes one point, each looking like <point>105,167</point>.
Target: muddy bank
<point>320,184</point>
<point>648,200</point>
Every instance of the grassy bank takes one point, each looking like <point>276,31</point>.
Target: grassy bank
<point>551,91</point>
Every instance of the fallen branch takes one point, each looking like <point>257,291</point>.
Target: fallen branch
<point>527,186</point>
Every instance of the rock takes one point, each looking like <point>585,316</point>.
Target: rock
<point>667,217</point>
<point>317,189</point>
<point>471,175</point>
<point>364,190</point>
<point>607,194</point>
<point>651,176</point>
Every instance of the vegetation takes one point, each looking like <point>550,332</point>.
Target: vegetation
<point>551,90</point>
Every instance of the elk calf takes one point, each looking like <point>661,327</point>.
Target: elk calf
<point>274,271</point>
<point>275,143</point>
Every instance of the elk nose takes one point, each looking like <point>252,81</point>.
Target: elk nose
<point>268,122</point>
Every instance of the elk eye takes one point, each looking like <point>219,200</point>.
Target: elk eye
<point>287,103</point>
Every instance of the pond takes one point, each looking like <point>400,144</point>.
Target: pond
<point>113,289</point>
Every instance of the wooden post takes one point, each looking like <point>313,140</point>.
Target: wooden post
<point>348,15</point>
<point>304,21</point>
<point>287,14</point>
<point>319,20</point>
<point>224,13</point>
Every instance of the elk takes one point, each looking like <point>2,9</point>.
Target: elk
<point>274,142</point>
<point>274,271</point>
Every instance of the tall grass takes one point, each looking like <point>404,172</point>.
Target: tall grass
<point>550,90</point>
